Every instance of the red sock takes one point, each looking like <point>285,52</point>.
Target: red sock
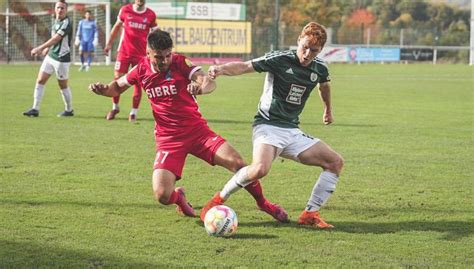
<point>116,99</point>
<point>137,96</point>
<point>174,198</point>
<point>255,189</point>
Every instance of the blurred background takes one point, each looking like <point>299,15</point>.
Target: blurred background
<point>221,30</point>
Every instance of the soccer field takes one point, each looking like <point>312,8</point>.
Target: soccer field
<point>76,192</point>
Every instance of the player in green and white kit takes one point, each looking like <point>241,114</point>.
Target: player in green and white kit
<point>291,77</point>
<point>57,61</point>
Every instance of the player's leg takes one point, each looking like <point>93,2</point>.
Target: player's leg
<point>90,49</point>
<point>136,97</point>
<point>320,154</point>
<point>44,74</point>
<point>87,56</point>
<point>168,167</point>
<point>263,156</point>
<point>67,98</point>
<point>81,53</point>
<point>62,74</point>
<point>82,61</point>
<point>229,158</point>
<point>121,68</point>
<point>164,191</point>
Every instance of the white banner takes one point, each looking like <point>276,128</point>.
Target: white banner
<point>214,11</point>
<point>166,9</point>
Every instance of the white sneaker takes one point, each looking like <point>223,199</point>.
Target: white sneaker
<point>81,68</point>
<point>87,68</point>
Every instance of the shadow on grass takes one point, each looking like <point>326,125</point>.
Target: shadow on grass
<point>32,255</point>
<point>76,203</point>
<point>240,235</point>
<point>452,230</point>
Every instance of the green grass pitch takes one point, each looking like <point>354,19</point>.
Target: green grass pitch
<point>76,192</point>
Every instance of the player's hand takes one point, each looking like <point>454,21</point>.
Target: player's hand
<point>107,49</point>
<point>214,71</point>
<point>194,89</point>
<point>35,51</point>
<point>77,42</point>
<point>98,88</point>
<point>327,118</point>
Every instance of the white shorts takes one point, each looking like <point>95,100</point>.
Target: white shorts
<point>50,65</point>
<point>290,142</point>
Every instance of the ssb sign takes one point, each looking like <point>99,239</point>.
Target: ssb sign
<point>200,36</point>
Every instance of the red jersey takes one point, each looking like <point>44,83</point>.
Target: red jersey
<point>175,110</point>
<point>136,26</point>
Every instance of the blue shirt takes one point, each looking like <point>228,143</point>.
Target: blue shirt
<point>87,30</point>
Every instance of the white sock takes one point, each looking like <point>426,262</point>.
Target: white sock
<point>67,98</point>
<point>236,182</point>
<point>38,96</point>
<point>322,190</point>
<point>134,111</point>
<point>115,106</point>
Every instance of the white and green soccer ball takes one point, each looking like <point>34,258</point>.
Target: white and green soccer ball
<point>220,220</point>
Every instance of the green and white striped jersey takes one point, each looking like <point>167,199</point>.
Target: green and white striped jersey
<point>287,86</point>
<point>61,51</point>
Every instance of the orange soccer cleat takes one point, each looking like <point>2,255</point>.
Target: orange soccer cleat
<point>274,210</point>
<point>184,208</point>
<point>216,200</point>
<point>313,219</point>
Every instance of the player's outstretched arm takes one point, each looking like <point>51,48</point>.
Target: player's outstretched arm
<point>325,94</point>
<point>52,41</point>
<point>230,69</point>
<point>111,90</point>
<point>201,84</point>
<point>113,33</point>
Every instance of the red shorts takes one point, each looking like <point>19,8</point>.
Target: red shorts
<point>171,151</point>
<point>124,62</point>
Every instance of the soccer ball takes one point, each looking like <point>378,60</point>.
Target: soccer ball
<point>220,220</point>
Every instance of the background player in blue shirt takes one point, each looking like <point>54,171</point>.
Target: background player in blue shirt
<point>86,38</point>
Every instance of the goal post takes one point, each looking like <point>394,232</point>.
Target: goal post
<point>26,24</point>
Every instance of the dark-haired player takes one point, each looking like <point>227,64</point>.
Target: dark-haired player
<point>168,80</point>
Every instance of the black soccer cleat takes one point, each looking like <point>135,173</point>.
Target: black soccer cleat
<point>31,113</point>
<point>66,114</point>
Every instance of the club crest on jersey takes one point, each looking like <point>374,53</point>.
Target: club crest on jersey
<point>145,20</point>
<point>188,62</point>
<point>313,77</point>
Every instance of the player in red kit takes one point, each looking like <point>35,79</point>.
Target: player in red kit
<point>137,21</point>
<point>168,80</point>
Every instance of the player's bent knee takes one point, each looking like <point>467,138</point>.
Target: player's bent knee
<point>238,163</point>
<point>161,196</point>
<point>336,165</point>
<point>258,170</point>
